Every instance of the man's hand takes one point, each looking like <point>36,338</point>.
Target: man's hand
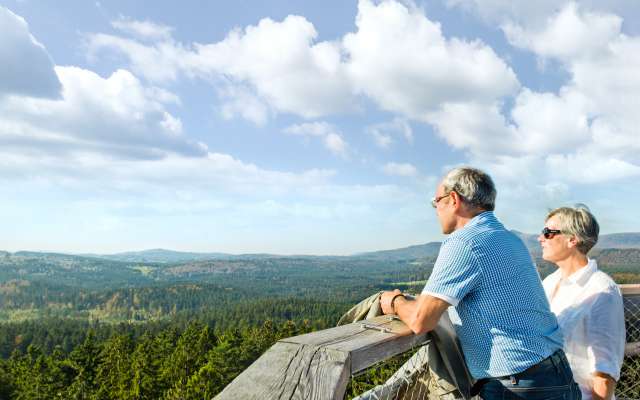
<point>603,386</point>
<point>385,301</point>
<point>421,315</point>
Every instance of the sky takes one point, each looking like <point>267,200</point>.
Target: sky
<point>295,127</point>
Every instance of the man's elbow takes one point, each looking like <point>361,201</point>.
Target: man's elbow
<point>419,327</point>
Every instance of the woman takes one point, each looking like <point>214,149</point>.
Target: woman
<point>586,301</point>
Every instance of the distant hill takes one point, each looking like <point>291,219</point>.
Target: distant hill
<point>427,250</point>
<point>609,241</point>
<point>617,257</point>
<point>160,256</point>
<point>629,240</point>
<point>151,265</point>
<point>531,241</point>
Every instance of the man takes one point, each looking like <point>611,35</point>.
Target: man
<point>510,339</point>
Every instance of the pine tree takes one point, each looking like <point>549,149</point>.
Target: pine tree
<point>84,359</point>
<point>145,363</point>
<point>6,380</point>
<point>114,371</point>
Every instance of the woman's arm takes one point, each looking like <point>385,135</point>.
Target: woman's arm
<point>606,338</point>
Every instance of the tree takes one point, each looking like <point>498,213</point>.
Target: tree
<point>84,359</point>
<point>114,371</point>
<point>145,363</point>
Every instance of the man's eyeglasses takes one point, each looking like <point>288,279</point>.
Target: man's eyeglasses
<point>436,200</point>
<point>550,233</point>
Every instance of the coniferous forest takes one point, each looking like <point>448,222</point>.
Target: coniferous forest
<point>88,327</point>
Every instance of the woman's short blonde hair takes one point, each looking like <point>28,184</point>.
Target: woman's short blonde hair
<point>579,222</point>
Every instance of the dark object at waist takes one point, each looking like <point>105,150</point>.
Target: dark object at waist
<point>556,358</point>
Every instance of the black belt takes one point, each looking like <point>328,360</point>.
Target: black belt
<point>514,378</point>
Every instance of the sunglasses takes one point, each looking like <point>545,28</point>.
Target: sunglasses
<point>550,233</point>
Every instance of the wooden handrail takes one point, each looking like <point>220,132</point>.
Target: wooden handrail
<point>630,289</point>
<point>318,365</point>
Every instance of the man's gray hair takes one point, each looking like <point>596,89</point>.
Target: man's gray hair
<point>579,222</point>
<point>473,185</point>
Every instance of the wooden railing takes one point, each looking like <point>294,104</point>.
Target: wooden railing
<point>318,365</point>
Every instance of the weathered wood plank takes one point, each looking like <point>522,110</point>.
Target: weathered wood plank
<point>629,289</point>
<point>291,371</point>
<point>632,349</point>
<point>365,341</point>
<point>353,336</point>
<point>318,365</point>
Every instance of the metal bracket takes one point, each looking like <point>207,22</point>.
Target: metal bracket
<point>380,328</point>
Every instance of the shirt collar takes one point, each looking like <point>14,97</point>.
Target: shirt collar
<point>483,217</point>
<point>582,275</point>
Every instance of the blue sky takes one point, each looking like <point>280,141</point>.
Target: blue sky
<point>307,127</point>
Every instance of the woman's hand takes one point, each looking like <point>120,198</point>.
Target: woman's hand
<point>603,386</point>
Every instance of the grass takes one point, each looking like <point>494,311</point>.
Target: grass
<point>410,283</point>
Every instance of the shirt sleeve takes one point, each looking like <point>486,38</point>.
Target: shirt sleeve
<point>606,333</point>
<point>455,273</point>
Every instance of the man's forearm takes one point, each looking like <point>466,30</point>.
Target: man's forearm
<point>420,315</point>
<point>405,310</point>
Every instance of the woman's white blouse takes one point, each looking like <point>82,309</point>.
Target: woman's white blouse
<point>588,305</point>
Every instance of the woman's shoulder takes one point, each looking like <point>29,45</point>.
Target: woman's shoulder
<point>601,282</point>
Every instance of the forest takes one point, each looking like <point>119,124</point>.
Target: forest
<point>84,327</point>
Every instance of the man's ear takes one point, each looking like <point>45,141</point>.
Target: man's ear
<point>456,201</point>
<point>572,241</point>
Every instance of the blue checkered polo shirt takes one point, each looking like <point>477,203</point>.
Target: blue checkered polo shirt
<point>501,313</point>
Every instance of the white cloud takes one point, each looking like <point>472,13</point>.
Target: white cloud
<point>397,57</point>
<point>279,61</point>
<point>214,174</point>
<point>587,131</point>
<point>499,11</point>
<point>532,15</point>
<point>555,191</point>
<point>477,127</point>
<point>241,101</point>
<point>399,169</point>
<point>382,133</point>
<point>27,68</point>
<point>336,144</point>
<point>282,63</point>
<point>331,138</point>
<point>142,29</point>
<point>400,59</point>
<point>567,35</point>
<point>158,62</point>
<point>310,129</point>
<point>115,135</point>
<point>584,167</point>
<point>115,115</point>
<point>549,123</point>
<point>381,140</point>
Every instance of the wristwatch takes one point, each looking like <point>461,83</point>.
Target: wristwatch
<point>394,299</point>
